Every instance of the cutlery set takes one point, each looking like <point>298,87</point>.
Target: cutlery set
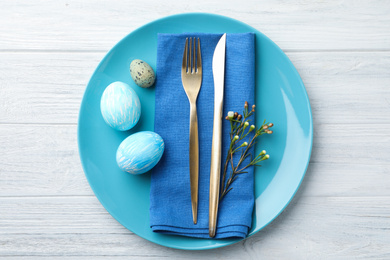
<point>191,74</point>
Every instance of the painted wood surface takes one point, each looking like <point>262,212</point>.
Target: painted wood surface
<point>49,50</point>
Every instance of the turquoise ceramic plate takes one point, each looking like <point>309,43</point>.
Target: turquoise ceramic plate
<point>281,98</point>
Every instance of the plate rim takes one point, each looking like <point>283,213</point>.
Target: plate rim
<point>294,70</point>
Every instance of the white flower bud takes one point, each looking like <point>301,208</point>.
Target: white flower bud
<point>230,114</point>
<point>246,124</point>
<point>251,128</point>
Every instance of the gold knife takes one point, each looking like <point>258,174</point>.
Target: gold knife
<point>215,168</point>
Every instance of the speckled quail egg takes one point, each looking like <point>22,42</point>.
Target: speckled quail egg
<point>142,74</point>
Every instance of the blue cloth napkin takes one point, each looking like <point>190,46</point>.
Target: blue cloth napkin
<point>170,197</point>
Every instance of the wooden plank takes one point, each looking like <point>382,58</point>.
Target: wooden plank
<point>43,160</point>
<point>65,257</point>
<point>310,228</point>
<point>355,144</point>
<point>60,214</point>
<point>91,25</point>
<point>342,87</point>
<point>40,88</point>
<point>40,160</point>
<point>346,87</point>
<point>346,179</point>
<point>328,228</point>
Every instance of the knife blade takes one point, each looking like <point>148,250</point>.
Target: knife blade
<point>215,167</point>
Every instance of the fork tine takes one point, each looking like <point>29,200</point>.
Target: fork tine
<point>191,60</point>
<point>184,64</point>
<point>199,59</point>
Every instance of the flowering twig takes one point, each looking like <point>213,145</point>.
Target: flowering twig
<point>240,129</point>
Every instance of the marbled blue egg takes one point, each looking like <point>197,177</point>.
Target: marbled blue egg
<point>140,152</point>
<point>120,106</point>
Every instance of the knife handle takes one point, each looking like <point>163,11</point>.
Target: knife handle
<point>215,168</point>
<point>194,161</point>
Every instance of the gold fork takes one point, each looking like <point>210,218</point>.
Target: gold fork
<point>191,77</point>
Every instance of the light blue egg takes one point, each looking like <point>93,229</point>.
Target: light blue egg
<point>120,106</point>
<point>140,152</point>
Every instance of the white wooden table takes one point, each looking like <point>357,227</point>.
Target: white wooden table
<point>49,50</point>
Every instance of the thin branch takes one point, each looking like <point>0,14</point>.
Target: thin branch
<point>239,129</point>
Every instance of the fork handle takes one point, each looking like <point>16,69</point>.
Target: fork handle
<point>194,161</point>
